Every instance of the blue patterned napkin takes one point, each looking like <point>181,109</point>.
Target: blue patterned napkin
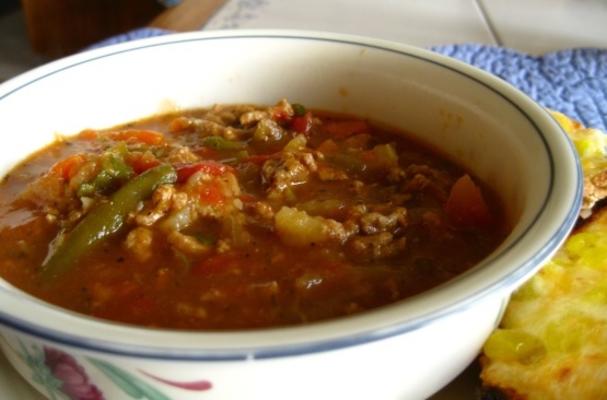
<point>572,81</point>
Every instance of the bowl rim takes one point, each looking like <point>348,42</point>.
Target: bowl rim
<point>377,324</point>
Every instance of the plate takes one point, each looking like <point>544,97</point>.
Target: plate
<point>13,386</point>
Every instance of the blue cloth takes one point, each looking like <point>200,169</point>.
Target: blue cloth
<point>572,81</point>
<point>141,33</point>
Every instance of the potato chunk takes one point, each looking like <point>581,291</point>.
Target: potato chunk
<point>299,229</point>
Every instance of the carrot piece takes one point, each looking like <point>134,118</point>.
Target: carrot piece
<point>138,135</point>
<point>68,167</point>
<point>466,205</point>
<point>343,129</point>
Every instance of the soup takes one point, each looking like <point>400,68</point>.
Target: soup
<point>240,217</point>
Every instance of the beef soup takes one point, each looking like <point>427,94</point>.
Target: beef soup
<point>239,217</point>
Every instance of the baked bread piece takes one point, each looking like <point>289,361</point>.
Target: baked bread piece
<point>591,146</point>
<point>552,342</point>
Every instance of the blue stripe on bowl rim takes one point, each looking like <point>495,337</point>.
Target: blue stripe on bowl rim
<point>268,352</point>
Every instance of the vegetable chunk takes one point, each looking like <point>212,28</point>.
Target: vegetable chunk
<point>104,220</point>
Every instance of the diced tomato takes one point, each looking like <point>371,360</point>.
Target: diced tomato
<point>138,135</point>
<point>210,167</point>
<point>211,193</point>
<point>466,205</point>
<point>343,129</point>
<point>302,124</point>
<point>68,167</point>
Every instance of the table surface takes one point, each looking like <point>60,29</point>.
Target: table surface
<point>533,26</point>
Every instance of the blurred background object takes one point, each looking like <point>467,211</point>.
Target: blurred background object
<point>59,27</point>
<point>16,54</point>
<point>33,32</point>
<point>8,5</point>
<point>186,15</point>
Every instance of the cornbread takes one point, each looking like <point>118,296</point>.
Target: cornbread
<point>552,342</point>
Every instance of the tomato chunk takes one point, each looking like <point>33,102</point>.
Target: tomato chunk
<point>211,193</point>
<point>68,167</point>
<point>466,205</point>
<point>303,123</point>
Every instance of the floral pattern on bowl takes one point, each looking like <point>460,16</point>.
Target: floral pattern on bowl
<point>61,377</point>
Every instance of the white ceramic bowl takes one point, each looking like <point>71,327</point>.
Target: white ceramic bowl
<point>406,350</point>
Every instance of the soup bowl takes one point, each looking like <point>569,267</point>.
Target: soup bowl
<point>405,350</point>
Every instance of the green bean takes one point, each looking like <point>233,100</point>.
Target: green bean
<point>114,171</point>
<point>104,220</point>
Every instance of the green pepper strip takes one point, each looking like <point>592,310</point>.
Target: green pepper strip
<point>104,220</point>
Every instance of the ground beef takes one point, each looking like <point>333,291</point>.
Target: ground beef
<point>423,178</point>
<point>374,222</point>
<point>381,245</point>
<point>182,155</point>
<point>139,243</point>
<point>291,169</point>
<point>158,207</point>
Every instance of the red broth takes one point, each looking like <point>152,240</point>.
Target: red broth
<point>240,217</point>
